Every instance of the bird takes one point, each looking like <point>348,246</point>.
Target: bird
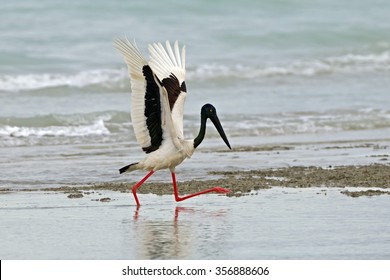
<point>158,93</point>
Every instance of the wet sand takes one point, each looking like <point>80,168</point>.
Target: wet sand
<point>244,182</point>
<point>315,201</point>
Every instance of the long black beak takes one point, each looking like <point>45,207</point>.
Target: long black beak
<point>218,126</point>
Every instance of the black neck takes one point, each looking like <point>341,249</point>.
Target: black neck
<point>202,131</point>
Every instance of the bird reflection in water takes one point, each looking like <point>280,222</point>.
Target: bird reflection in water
<point>174,239</point>
<point>177,210</point>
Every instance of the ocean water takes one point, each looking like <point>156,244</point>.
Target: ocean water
<point>284,69</point>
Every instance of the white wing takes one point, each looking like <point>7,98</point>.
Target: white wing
<point>165,62</point>
<point>146,107</point>
<point>169,66</point>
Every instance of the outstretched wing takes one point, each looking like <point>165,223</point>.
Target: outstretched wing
<point>169,66</point>
<point>147,108</point>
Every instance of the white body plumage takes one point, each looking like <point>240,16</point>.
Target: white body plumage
<point>167,156</point>
<point>158,95</point>
<point>164,87</point>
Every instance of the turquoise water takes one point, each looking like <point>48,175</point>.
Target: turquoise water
<point>272,69</point>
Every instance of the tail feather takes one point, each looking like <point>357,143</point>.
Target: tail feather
<point>128,168</point>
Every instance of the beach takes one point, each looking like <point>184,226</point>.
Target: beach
<point>373,176</point>
<point>342,163</point>
<point>301,90</point>
<point>342,209</point>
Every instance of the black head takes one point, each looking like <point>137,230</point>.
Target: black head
<point>209,112</point>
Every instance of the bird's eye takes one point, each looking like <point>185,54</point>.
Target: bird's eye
<point>210,110</point>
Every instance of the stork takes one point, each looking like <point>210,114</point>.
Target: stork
<point>157,104</point>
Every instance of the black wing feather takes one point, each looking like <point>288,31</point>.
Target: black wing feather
<point>152,110</point>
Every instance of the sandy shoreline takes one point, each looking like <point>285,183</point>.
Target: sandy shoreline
<point>375,177</point>
<point>293,213</point>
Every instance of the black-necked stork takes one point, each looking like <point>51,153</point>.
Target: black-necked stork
<point>158,94</point>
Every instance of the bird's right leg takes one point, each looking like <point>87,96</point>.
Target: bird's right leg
<point>134,189</point>
<point>176,193</point>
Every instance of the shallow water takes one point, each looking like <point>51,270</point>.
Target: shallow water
<point>278,223</point>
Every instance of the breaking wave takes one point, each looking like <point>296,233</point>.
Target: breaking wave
<point>62,129</point>
<point>115,126</point>
<point>117,78</point>
<point>300,123</point>
<point>350,63</point>
<point>97,128</point>
<point>107,78</point>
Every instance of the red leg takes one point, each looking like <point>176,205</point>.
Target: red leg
<point>177,198</point>
<point>134,189</point>
<point>136,213</point>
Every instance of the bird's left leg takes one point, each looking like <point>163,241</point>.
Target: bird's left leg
<point>176,193</point>
<point>134,189</point>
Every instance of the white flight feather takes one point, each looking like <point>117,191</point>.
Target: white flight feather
<point>164,62</point>
<point>161,62</point>
<point>135,62</point>
<point>177,54</point>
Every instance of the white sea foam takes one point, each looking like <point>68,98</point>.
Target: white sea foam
<point>349,63</point>
<point>108,78</point>
<point>299,123</point>
<point>97,128</point>
<point>116,128</point>
<point>102,77</point>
